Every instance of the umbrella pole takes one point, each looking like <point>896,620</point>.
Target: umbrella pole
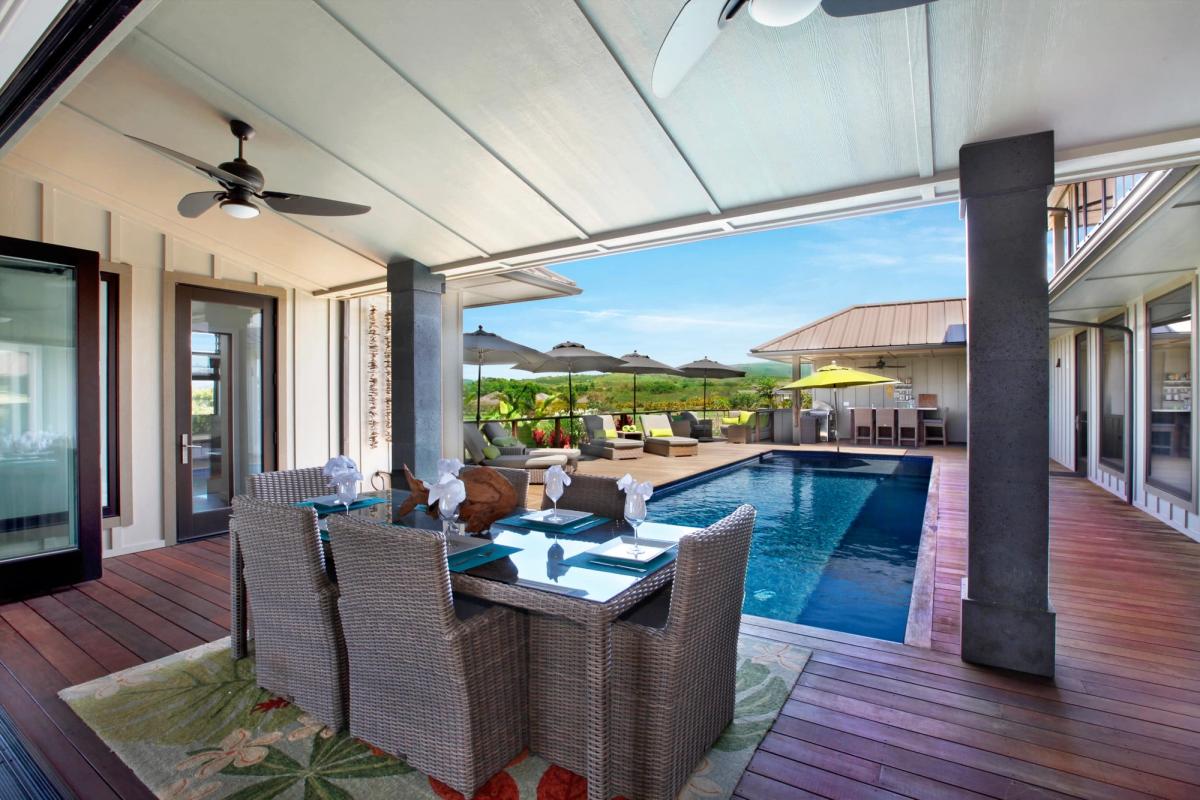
<point>704,403</point>
<point>570,405</point>
<point>478,387</point>
<point>837,434</point>
<point>634,395</point>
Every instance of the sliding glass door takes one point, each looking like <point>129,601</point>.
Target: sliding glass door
<point>49,417</point>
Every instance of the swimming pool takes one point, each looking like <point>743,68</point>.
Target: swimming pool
<point>836,538</point>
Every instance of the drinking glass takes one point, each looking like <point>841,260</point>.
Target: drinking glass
<point>347,493</point>
<point>554,490</point>
<point>635,515</point>
<point>449,517</point>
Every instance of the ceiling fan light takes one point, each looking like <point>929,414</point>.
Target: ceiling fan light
<point>239,209</point>
<point>781,13</point>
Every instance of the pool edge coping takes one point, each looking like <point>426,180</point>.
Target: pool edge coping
<point>919,630</point>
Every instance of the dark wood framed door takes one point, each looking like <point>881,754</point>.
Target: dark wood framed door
<point>225,421</point>
<point>1081,395</point>
<point>49,417</point>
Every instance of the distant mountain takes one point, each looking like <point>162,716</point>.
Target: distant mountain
<point>770,369</point>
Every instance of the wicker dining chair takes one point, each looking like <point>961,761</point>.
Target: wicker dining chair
<point>674,669</point>
<point>437,680</point>
<point>594,494</point>
<point>283,487</point>
<point>299,651</point>
<point>519,478</point>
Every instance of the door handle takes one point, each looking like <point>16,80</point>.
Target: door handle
<point>184,447</point>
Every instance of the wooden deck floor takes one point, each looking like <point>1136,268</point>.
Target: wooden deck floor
<point>867,718</point>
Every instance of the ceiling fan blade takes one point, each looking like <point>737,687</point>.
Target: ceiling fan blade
<point>854,8</point>
<point>216,173</point>
<point>194,204</point>
<point>691,34</point>
<point>315,206</point>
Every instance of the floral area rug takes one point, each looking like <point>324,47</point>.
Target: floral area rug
<point>196,726</point>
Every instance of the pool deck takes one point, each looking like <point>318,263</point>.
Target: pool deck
<point>867,718</point>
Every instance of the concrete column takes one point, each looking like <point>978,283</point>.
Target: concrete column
<point>416,296</point>
<point>1007,620</point>
<point>452,373</point>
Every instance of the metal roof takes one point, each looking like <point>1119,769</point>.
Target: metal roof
<point>924,324</point>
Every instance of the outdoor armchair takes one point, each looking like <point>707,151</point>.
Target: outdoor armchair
<point>740,427</point>
<point>595,494</point>
<point>659,438</point>
<point>433,679</point>
<point>674,662</point>
<point>299,651</point>
<point>603,441</point>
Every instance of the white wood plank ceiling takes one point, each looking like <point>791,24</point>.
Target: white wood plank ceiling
<point>490,136</point>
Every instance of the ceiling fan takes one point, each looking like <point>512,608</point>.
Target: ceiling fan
<point>700,21</point>
<point>241,182</point>
<point>881,364</point>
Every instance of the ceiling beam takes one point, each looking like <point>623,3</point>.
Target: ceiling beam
<point>445,112</point>
<point>916,20</point>
<point>713,208</point>
<point>180,59</point>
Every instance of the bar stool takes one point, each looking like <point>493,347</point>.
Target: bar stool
<point>908,427</point>
<point>936,426</point>
<point>864,425</point>
<point>885,426</point>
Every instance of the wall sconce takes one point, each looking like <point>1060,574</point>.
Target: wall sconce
<point>1058,363</point>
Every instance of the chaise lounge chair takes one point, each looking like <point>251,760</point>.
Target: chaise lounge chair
<point>477,452</point>
<point>509,445</point>
<point>603,441</point>
<point>659,439</point>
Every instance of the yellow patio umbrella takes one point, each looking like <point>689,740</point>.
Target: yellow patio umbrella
<point>835,376</point>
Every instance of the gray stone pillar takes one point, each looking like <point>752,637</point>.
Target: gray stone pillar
<point>416,367</point>
<point>1007,620</point>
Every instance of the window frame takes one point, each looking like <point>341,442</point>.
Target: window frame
<point>119,386</point>
<point>111,386</point>
<point>1122,470</point>
<point>1157,489</point>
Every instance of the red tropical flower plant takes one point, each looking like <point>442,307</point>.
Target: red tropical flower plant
<point>271,705</point>
<point>539,437</point>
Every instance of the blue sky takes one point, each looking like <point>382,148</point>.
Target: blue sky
<point>720,297</point>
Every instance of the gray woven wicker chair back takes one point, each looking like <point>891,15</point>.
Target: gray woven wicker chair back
<point>595,494</point>
<point>293,602</point>
<point>519,478</point>
<point>446,695</point>
<point>289,485</point>
<point>659,744</point>
<point>473,443</point>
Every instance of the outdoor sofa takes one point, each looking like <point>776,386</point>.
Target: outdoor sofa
<point>658,438</point>
<point>509,445</point>
<point>479,452</point>
<point>603,441</point>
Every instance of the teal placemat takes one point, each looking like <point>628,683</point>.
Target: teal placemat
<point>588,561</point>
<point>324,508</point>
<point>517,521</point>
<point>461,562</point>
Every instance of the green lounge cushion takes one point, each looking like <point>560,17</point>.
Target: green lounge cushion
<point>506,441</point>
<point>729,420</point>
<point>745,417</point>
<point>661,433</point>
<point>490,452</point>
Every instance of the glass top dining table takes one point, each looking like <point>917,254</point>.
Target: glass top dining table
<point>543,559</point>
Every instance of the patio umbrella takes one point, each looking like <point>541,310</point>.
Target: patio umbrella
<point>482,347</point>
<point>638,364</point>
<point>837,377</point>
<point>707,368</point>
<point>570,357</point>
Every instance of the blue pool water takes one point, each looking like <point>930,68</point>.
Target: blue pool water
<point>836,537</point>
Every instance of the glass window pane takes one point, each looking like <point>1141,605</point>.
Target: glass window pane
<point>37,409</point>
<point>1169,465</point>
<point>1112,395</point>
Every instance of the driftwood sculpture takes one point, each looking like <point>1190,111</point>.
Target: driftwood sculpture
<point>489,498</point>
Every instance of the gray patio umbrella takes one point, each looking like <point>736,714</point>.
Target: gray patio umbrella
<point>570,357</point>
<point>707,368</point>
<point>482,347</point>
<point>638,364</point>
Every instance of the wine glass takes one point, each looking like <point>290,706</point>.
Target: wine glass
<point>347,493</point>
<point>635,515</point>
<point>554,490</point>
<point>449,515</point>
